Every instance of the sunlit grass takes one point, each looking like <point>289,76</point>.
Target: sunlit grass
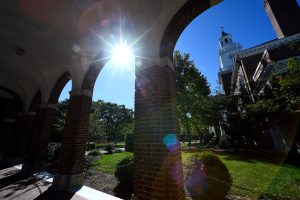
<point>108,162</point>
<point>251,178</point>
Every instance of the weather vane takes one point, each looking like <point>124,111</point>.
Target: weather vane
<point>222,28</point>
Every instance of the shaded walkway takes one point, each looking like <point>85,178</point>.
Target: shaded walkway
<point>13,185</point>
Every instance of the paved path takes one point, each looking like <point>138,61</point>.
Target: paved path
<point>15,187</point>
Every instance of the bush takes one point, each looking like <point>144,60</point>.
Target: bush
<point>52,153</point>
<point>129,143</point>
<point>109,148</point>
<point>91,146</point>
<point>124,170</point>
<point>94,153</point>
<point>207,177</point>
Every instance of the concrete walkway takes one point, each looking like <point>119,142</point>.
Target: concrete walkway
<point>38,186</point>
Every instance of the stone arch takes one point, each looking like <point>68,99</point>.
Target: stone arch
<point>186,14</point>
<point>36,101</point>
<point>9,107</point>
<point>93,72</point>
<point>58,87</point>
<point>19,103</point>
<point>43,126</point>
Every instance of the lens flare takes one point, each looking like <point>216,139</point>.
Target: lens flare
<point>170,141</point>
<point>122,55</point>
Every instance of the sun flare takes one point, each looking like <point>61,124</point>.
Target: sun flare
<point>122,55</point>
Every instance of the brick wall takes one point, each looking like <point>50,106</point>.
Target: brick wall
<point>41,134</point>
<point>157,158</point>
<point>75,135</point>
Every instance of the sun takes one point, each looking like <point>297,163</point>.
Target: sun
<point>122,55</point>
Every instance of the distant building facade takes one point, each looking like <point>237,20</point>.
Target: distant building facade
<point>245,74</point>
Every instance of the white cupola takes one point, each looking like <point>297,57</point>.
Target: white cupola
<point>227,51</point>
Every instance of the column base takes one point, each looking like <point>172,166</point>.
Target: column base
<point>68,181</point>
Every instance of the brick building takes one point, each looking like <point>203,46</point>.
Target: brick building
<point>248,79</point>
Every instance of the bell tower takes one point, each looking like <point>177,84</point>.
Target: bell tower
<point>228,48</point>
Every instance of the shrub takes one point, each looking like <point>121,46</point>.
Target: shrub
<point>91,146</point>
<point>94,153</point>
<point>207,177</point>
<point>124,170</point>
<point>129,143</point>
<point>52,153</point>
<point>109,148</point>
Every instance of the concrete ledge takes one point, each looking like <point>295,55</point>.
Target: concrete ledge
<point>92,194</point>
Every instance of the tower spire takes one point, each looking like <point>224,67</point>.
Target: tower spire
<point>223,32</point>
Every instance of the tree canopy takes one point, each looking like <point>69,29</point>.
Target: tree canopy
<point>285,94</point>
<point>107,120</point>
<point>192,94</point>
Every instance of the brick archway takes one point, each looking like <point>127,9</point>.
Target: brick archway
<point>158,172</point>
<point>71,165</point>
<point>93,72</point>
<point>22,132</point>
<point>187,13</point>
<point>43,126</point>
<point>9,107</point>
<point>58,87</point>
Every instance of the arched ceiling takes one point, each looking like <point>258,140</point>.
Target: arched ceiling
<point>42,39</point>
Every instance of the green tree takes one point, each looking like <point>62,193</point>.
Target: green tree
<point>285,94</point>
<point>192,93</point>
<point>59,120</point>
<point>110,120</point>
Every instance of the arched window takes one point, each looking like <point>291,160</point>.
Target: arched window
<point>226,41</point>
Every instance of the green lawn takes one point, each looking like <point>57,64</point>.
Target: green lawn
<point>251,178</point>
<point>108,162</point>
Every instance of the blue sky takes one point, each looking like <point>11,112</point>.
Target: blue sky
<point>246,20</point>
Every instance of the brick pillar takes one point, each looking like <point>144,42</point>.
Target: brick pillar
<point>6,131</point>
<point>71,164</point>
<point>39,142</point>
<point>20,137</point>
<point>157,157</point>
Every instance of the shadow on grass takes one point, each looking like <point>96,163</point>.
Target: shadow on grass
<point>271,197</point>
<point>252,156</point>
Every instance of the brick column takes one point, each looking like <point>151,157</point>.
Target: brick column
<point>20,137</point>
<point>157,157</point>
<point>71,164</point>
<point>6,131</point>
<point>39,142</point>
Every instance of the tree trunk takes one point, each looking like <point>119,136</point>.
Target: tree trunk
<point>188,131</point>
<point>198,132</point>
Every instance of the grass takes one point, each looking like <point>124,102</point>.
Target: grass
<point>108,162</point>
<point>251,177</point>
